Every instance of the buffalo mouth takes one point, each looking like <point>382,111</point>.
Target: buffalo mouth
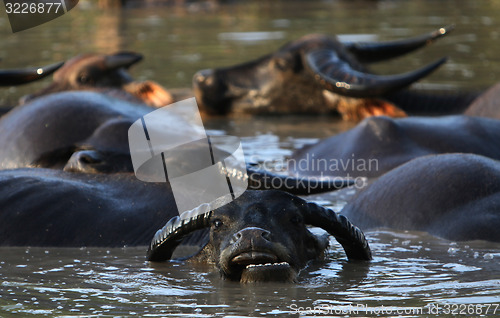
<point>256,266</point>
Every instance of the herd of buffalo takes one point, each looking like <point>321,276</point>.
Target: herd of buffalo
<point>66,175</point>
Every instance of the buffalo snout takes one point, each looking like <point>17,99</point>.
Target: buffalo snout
<point>251,234</point>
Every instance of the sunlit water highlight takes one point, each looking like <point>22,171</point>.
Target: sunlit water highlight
<point>409,270</point>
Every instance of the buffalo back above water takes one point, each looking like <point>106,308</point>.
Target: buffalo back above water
<point>379,144</point>
<point>46,207</point>
<point>454,196</point>
<point>46,131</point>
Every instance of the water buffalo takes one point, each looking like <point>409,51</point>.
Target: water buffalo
<point>379,144</point>
<point>107,74</point>
<point>88,132</point>
<point>262,236</point>
<point>46,131</point>
<point>317,74</point>
<point>46,207</point>
<point>454,196</point>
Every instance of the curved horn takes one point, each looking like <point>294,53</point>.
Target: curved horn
<point>264,180</point>
<point>379,51</point>
<point>23,76</point>
<point>122,59</point>
<point>339,77</point>
<point>170,236</point>
<point>348,235</point>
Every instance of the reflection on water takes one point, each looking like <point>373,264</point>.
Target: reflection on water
<point>409,269</point>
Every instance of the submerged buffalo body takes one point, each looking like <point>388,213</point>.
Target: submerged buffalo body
<point>106,74</point>
<point>379,144</point>
<point>48,130</point>
<point>44,207</point>
<point>454,196</point>
<point>317,74</point>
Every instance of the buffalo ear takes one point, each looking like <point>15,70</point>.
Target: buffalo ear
<point>24,76</point>
<point>121,59</point>
<point>338,76</point>
<point>348,235</point>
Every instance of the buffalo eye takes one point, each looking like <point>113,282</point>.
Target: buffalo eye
<point>84,78</point>
<point>217,224</point>
<point>282,63</point>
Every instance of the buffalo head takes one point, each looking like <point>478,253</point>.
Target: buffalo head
<point>314,74</point>
<point>262,236</point>
<point>108,74</point>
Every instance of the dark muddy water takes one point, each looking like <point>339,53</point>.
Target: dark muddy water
<point>412,274</point>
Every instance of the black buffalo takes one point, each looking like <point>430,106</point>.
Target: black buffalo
<point>454,196</point>
<point>48,130</point>
<point>88,132</point>
<point>317,74</point>
<point>45,207</point>
<point>262,236</point>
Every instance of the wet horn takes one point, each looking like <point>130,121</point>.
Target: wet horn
<point>348,235</point>
<point>337,76</point>
<point>170,236</point>
<point>24,76</point>
<point>371,52</point>
<point>264,180</point>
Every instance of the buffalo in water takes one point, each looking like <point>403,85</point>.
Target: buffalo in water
<point>91,101</point>
<point>260,236</point>
<point>454,196</point>
<point>88,132</point>
<point>317,74</point>
<point>106,74</point>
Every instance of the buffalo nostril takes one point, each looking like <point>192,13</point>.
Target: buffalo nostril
<point>199,78</point>
<point>236,237</point>
<point>204,77</point>
<point>266,235</point>
<point>250,234</point>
